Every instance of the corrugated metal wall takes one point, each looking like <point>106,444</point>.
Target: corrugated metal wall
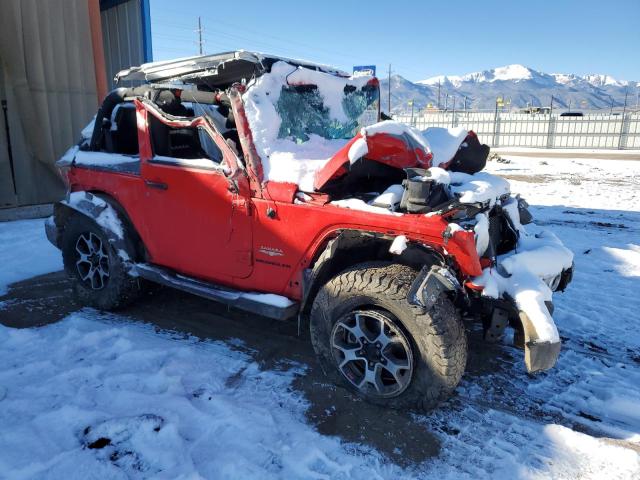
<point>50,89</point>
<point>123,31</point>
<point>48,68</point>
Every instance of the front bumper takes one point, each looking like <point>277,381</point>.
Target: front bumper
<point>52,231</point>
<point>541,356</point>
<point>498,313</point>
<point>538,356</point>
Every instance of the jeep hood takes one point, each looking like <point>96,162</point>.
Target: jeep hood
<point>390,143</point>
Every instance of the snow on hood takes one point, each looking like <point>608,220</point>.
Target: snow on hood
<point>389,142</point>
<point>284,160</point>
<point>444,142</point>
<point>391,127</point>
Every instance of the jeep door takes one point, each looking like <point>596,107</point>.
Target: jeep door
<point>195,221</point>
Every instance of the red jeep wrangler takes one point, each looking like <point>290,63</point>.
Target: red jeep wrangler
<point>269,184</point>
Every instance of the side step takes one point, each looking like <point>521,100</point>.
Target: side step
<point>268,305</point>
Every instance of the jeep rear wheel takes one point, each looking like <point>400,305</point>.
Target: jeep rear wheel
<point>369,338</point>
<point>98,274</point>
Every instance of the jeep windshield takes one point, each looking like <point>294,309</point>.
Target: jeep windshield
<point>304,110</point>
<point>300,118</point>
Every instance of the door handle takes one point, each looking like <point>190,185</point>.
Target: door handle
<point>158,185</point>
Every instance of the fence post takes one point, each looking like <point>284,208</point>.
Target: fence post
<point>495,126</point>
<point>624,131</point>
<point>551,127</point>
<point>453,113</point>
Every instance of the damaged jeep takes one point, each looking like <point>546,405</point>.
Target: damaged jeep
<point>271,185</point>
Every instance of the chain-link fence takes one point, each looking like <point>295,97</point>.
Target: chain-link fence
<point>506,129</point>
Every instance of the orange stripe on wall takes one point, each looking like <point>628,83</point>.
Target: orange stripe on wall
<point>98,49</point>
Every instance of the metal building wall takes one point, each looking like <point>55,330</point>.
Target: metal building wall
<point>53,57</point>
<point>126,32</point>
<point>50,89</point>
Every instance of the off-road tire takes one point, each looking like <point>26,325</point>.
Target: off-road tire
<point>437,336</point>
<point>119,290</point>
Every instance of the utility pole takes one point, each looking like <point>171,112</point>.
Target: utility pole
<point>200,43</point>
<point>389,90</point>
<point>438,94</point>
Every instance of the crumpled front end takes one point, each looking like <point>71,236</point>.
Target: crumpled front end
<point>524,266</point>
<point>520,264</point>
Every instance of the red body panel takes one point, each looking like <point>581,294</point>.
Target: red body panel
<point>214,225</point>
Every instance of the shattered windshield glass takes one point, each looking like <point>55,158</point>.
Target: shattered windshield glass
<point>304,111</point>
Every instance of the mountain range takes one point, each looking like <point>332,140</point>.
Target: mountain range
<point>517,85</point>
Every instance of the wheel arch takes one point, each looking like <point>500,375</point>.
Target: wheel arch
<point>351,247</point>
<point>92,204</point>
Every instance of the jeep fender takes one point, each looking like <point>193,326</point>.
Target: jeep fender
<point>103,212</point>
<point>351,247</point>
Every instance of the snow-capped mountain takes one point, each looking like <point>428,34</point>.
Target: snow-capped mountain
<point>515,73</point>
<point>518,84</point>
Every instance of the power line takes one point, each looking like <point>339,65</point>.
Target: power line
<point>165,36</point>
<point>262,35</point>
<point>249,34</point>
<point>258,38</point>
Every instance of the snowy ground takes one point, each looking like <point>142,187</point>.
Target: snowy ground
<point>25,252</point>
<point>250,403</point>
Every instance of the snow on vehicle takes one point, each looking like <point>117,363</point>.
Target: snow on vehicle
<point>271,185</point>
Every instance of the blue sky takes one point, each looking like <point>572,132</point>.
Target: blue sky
<point>420,39</point>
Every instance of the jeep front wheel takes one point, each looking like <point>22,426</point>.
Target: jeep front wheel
<point>369,338</point>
